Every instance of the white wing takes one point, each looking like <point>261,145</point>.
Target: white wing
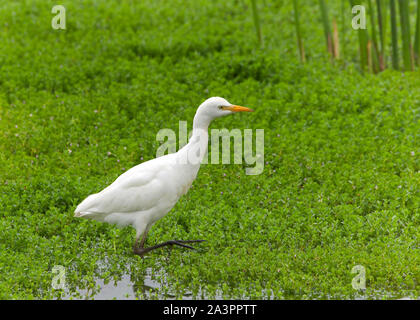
<point>138,189</point>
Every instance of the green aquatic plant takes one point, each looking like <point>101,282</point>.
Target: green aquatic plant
<point>340,181</point>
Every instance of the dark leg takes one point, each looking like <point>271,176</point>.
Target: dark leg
<point>141,250</point>
<point>143,240</point>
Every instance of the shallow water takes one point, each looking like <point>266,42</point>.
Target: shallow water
<point>152,283</point>
<point>125,289</point>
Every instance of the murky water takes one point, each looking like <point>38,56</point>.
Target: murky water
<point>152,285</point>
<point>123,289</point>
<point>126,289</point>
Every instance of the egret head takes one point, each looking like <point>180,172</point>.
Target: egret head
<point>217,107</point>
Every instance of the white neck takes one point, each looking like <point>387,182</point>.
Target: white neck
<point>197,146</point>
<point>201,121</point>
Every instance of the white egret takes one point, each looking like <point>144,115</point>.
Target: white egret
<point>147,192</point>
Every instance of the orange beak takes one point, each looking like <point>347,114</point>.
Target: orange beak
<point>238,109</point>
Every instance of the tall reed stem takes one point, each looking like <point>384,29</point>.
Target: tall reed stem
<point>298,33</point>
<point>327,29</point>
<point>394,34</point>
<point>363,43</point>
<point>375,50</point>
<point>406,38</point>
<point>417,36</point>
<point>382,32</point>
<point>256,21</point>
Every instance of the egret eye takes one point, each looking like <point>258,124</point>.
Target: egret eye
<point>221,107</point>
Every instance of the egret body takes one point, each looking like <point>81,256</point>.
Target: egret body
<point>147,192</point>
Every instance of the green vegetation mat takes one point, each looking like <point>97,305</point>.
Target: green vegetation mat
<point>78,107</point>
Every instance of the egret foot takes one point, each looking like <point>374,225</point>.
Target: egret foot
<point>189,241</point>
<point>142,251</point>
